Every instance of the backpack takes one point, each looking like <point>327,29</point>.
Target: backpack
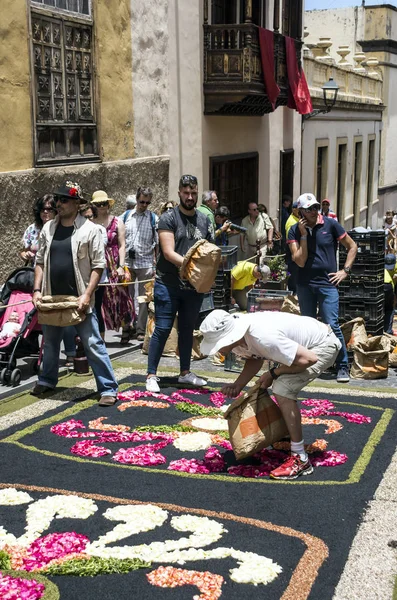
<point>152,220</point>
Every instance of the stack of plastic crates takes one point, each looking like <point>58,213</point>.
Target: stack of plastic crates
<point>362,295</point>
<point>222,289</point>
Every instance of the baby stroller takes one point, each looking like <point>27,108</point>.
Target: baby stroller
<point>17,290</point>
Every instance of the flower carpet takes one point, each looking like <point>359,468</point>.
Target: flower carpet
<point>145,499</point>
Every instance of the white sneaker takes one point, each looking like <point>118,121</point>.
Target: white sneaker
<point>152,385</point>
<point>192,379</point>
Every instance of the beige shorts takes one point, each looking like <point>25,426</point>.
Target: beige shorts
<point>289,385</point>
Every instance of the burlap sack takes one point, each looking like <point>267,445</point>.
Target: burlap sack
<point>171,346</point>
<point>354,333</point>
<point>255,422</point>
<point>200,265</point>
<point>59,311</point>
<point>291,305</point>
<point>371,361</point>
<point>393,349</point>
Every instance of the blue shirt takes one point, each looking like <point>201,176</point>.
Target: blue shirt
<point>322,242</point>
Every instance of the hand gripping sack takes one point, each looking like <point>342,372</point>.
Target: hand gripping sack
<point>59,311</point>
<point>200,265</point>
<point>255,421</point>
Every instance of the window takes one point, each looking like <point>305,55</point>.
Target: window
<point>286,175</point>
<point>322,172</point>
<point>258,12</point>
<point>341,181</point>
<point>223,12</point>
<point>292,18</point>
<point>358,149</point>
<point>370,174</point>
<point>235,179</point>
<point>63,88</point>
<point>79,6</point>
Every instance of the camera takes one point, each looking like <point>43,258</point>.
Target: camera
<point>132,253</point>
<point>237,228</point>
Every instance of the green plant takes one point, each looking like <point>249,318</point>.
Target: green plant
<point>278,268</point>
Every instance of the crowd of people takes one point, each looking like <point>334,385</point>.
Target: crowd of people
<point>82,251</point>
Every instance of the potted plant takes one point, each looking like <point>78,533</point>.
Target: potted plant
<point>278,273</point>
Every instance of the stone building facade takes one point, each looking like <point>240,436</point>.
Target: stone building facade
<point>67,97</point>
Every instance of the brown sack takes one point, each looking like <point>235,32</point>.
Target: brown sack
<point>354,333</point>
<point>371,361</point>
<point>59,311</point>
<point>171,346</point>
<point>291,305</point>
<point>200,265</point>
<point>255,421</point>
<point>393,349</point>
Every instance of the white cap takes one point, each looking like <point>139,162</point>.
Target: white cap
<point>222,329</point>
<point>307,200</point>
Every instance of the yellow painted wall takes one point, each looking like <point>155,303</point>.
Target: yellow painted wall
<point>112,19</point>
<point>15,114</point>
<point>377,23</point>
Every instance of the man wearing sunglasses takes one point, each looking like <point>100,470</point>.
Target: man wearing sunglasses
<point>69,262</point>
<point>179,229</point>
<point>313,243</point>
<point>141,241</point>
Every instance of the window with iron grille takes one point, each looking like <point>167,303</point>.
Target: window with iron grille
<point>65,126</point>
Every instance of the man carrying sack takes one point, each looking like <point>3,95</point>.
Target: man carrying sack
<point>303,347</point>
<point>69,264</point>
<point>179,230</point>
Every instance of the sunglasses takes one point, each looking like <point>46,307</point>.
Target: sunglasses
<point>143,202</point>
<point>62,199</point>
<point>102,204</point>
<point>88,216</point>
<point>47,210</point>
<point>312,208</point>
<point>188,180</point>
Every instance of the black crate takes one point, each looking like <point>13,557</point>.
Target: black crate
<point>223,280</point>
<point>375,328</point>
<point>207,303</point>
<point>361,288</point>
<point>369,310</point>
<point>368,267</point>
<point>229,257</point>
<point>371,242</point>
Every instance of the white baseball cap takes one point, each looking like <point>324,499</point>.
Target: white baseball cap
<point>222,329</point>
<point>307,200</point>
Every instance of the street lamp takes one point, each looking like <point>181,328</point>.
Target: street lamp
<point>330,93</point>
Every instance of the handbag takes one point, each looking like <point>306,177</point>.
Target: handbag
<point>254,421</point>
<point>59,311</point>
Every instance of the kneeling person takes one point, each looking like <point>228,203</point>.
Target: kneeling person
<point>243,276</point>
<point>303,347</point>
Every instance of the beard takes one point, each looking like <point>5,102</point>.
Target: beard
<point>189,205</point>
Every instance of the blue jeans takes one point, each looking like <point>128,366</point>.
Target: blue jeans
<point>327,298</point>
<point>95,350</point>
<point>168,301</point>
<point>69,337</point>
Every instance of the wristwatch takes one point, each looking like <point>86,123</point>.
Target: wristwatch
<point>272,373</point>
<point>347,270</point>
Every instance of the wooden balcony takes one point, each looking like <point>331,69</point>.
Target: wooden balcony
<point>233,81</point>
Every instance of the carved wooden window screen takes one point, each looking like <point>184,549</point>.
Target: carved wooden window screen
<point>63,90</point>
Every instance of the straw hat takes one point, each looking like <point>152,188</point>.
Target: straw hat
<point>101,196</point>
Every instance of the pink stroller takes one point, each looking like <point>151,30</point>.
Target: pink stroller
<point>17,290</point>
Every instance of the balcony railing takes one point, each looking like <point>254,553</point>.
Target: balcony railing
<point>233,80</point>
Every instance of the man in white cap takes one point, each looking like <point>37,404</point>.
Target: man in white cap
<point>302,346</point>
<point>313,243</point>
<point>243,277</point>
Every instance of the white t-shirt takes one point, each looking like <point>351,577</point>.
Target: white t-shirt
<point>276,336</point>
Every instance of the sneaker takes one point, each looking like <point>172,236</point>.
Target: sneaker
<point>152,385</point>
<point>292,468</point>
<point>343,375</point>
<point>192,379</point>
<point>140,337</point>
<point>107,400</point>
<point>40,390</point>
